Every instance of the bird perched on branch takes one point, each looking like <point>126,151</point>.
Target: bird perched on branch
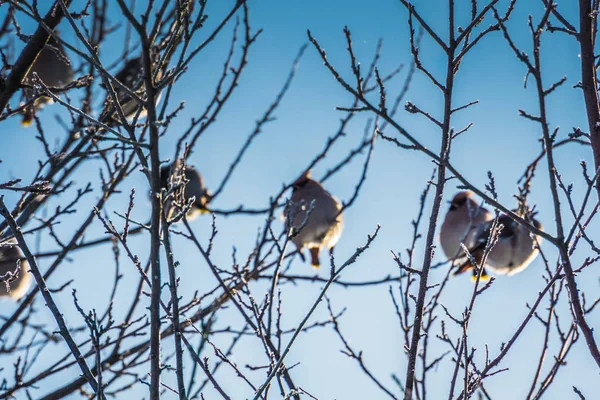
<point>463,223</point>
<point>15,277</point>
<point>54,69</point>
<point>182,183</point>
<point>315,216</point>
<point>515,249</point>
<point>132,77</point>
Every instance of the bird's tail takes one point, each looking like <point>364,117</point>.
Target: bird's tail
<point>201,206</point>
<point>484,275</point>
<point>314,257</point>
<point>27,118</point>
<point>464,267</point>
<point>468,266</point>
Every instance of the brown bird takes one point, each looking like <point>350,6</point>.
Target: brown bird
<point>54,69</point>
<point>462,224</point>
<point>514,251</point>
<point>15,278</point>
<point>183,184</point>
<point>131,76</point>
<point>324,225</point>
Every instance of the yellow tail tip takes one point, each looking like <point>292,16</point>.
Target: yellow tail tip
<point>26,122</point>
<point>204,211</point>
<point>316,266</point>
<point>484,278</point>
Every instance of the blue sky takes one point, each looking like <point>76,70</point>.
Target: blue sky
<point>499,141</point>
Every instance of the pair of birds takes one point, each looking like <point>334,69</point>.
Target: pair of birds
<point>469,223</point>
<point>54,68</point>
<point>316,228</point>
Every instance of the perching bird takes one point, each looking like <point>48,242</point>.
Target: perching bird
<point>54,69</point>
<point>324,225</point>
<point>131,76</point>
<point>513,252</point>
<point>186,182</point>
<point>14,283</point>
<point>463,223</point>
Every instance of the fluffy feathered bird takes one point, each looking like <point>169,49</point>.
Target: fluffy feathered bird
<point>131,76</point>
<point>183,184</point>
<point>53,67</point>
<point>514,251</point>
<point>463,223</point>
<point>320,228</point>
<point>15,283</point>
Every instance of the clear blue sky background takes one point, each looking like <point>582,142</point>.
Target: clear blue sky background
<point>500,141</point>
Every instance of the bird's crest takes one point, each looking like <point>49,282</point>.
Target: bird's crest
<point>460,199</point>
<point>301,181</point>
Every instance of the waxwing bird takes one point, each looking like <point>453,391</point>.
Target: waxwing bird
<point>514,250</point>
<point>181,185</point>
<point>463,223</point>
<point>53,67</point>
<point>15,277</point>
<point>319,228</point>
<point>131,76</point>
